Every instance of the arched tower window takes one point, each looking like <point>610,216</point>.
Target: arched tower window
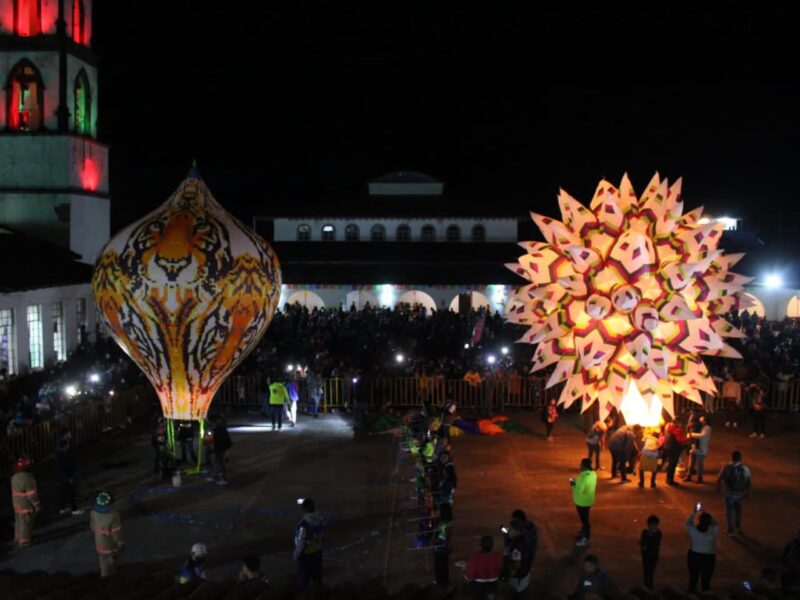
<point>378,233</point>
<point>303,233</point>
<point>83,105</point>
<point>403,233</point>
<point>351,233</point>
<point>428,233</point>
<point>328,233</point>
<point>78,22</point>
<point>453,233</point>
<point>479,233</point>
<point>27,17</point>
<point>24,98</point>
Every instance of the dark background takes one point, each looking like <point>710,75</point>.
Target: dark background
<point>289,102</point>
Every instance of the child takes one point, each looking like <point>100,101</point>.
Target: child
<point>650,543</point>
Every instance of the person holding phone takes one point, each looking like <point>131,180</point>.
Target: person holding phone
<point>701,559</point>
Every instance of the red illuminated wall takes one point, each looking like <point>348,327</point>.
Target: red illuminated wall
<point>28,17</point>
<point>90,175</point>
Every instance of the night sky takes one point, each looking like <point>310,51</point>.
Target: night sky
<point>292,103</point>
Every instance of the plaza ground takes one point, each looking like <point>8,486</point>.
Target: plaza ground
<point>366,497</point>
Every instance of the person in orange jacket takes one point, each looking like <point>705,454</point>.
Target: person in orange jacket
<point>25,498</point>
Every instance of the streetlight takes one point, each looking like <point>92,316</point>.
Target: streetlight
<point>94,378</point>
<point>491,359</point>
<point>466,346</point>
<point>289,368</point>
<point>774,280</point>
<point>504,350</point>
<point>399,358</point>
<point>71,391</point>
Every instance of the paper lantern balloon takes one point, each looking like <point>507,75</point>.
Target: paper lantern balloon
<point>187,292</point>
<point>624,296</point>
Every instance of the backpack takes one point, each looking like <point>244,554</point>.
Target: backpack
<point>736,479</point>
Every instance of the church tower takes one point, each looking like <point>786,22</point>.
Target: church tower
<point>53,171</point>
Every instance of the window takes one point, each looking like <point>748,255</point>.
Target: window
<point>479,233</point>
<point>377,233</point>
<point>80,318</point>
<point>27,17</point>
<point>7,341</point>
<point>428,233</point>
<point>78,22</point>
<point>59,339</point>
<point>83,105</point>
<point>303,233</point>
<point>351,233</point>
<point>403,233</point>
<point>25,98</point>
<point>453,233</point>
<point>35,339</point>
<point>328,233</point>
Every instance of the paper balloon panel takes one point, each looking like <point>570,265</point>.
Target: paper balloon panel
<point>629,291</point>
<point>187,292</point>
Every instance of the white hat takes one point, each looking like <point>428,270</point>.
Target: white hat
<point>199,550</point>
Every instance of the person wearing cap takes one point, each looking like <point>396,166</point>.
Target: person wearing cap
<point>193,569</point>
<point>106,525</point>
<point>308,544</point>
<point>25,498</point>
<point>521,540</point>
<point>593,580</point>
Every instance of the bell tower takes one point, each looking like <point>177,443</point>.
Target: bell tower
<point>53,171</point>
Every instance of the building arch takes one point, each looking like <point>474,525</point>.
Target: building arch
<point>478,233</point>
<point>360,298</point>
<point>352,233</point>
<point>304,232</point>
<point>403,233</point>
<point>415,298</point>
<point>477,301</point>
<point>793,307</point>
<point>453,233</point>
<point>377,233</point>
<point>24,98</point>
<point>428,233</point>
<point>27,17</point>
<point>328,232</point>
<point>83,104</point>
<point>306,299</point>
<point>757,306</point>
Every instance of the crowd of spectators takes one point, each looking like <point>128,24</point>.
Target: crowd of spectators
<point>92,371</point>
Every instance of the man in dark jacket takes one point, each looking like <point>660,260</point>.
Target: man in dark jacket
<point>222,443</point>
<point>521,541</point>
<point>67,466</point>
<point>593,580</point>
<point>620,445</point>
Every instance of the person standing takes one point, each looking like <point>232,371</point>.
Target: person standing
<point>702,439</point>
<point>314,382</point>
<point>293,397</point>
<point>67,466</point>
<point>106,525</point>
<point>583,494</point>
<point>308,544</point>
<point>550,417</point>
<point>483,569</point>
<point>648,461</point>
<point>674,443</point>
<point>222,444</point>
<point>790,561</point>
<point>441,545</point>
<point>620,444</point>
<point>732,398</point>
<point>703,531</point>
<point>520,551</point>
<point>650,544</point>
<point>278,396</point>
<point>594,440</point>
<point>593,581</point>
<point>25,499</point>
<point>759,413</point>
<point>186,439</point>
<point>734,482</point>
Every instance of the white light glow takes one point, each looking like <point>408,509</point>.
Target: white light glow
<point>774,281</point>
<point>71,391</point>
<point>387,295</point>
<point>466,346</point>
<point>94,378</point>
<point>289,368</point>
<point>703,221</point>
<point>636,410</point>
<point>728,223</point>
<point>504,350</point>
<point>491,359</point>
<point>399,358</point>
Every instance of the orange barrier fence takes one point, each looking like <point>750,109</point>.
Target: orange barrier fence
<point>85,421</point>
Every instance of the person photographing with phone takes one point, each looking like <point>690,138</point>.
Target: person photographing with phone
<point>701,559</point>
<point>583,494</point>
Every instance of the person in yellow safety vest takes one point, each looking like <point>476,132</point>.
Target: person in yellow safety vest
<point>25,498</point>
<point>107,527</point>
<point>277,397</point>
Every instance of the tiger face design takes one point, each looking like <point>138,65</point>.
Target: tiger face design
<point>187,292</point>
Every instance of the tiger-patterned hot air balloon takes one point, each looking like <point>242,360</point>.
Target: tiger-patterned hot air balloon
<point>187,292</point>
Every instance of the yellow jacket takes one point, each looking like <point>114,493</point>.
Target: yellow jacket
<point>24,493</point>
<point>107,528</point>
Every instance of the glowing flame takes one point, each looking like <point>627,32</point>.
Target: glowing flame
<point>636,410</point>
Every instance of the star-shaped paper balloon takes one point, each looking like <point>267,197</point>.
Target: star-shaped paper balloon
<point>628,292</point>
